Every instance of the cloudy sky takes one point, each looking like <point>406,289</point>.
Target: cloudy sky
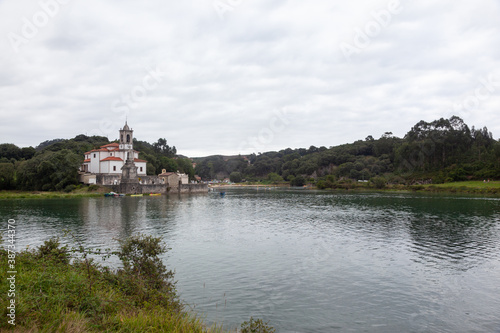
<point>242,76</point>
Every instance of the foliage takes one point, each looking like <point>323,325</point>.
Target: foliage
<point>51,250</point>
<point>379,182</point>
<point>298,181</point>
<point>162,148</point>
<point>235,177</point>
<point>12,152</point>
<point>49,171</point>
<point>274,178</point>
<point>256,326</point>
<point>441,150</point>
<point>7,176</point>
<point>53,296</point>
<point>140,258</point>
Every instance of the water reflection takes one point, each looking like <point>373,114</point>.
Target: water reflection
<point>306,261</point>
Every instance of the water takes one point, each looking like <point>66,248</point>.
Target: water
<point>306,261</point>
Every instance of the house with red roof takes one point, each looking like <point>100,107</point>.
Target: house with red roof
<point>109,159</point>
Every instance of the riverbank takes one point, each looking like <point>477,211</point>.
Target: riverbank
<point>52,289</point>
<point>471,187</point>
<point>46,195</point>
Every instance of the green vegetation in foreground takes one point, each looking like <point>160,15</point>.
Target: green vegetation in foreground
<point>59,292</point>
<point>478,187</point>
<point>77,192</point>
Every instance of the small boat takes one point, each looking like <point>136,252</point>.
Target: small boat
<point>111,194</point>
<point>155,194</point>
<point>136,195</point>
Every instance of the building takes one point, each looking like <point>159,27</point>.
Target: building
<point>109,159</point>
<point>117,166</point>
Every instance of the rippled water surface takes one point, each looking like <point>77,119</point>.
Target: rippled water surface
<point>306,261</point>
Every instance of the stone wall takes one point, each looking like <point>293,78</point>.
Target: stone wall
<point>108,179</point>
<point>193,188</point>
<point>161,188</point>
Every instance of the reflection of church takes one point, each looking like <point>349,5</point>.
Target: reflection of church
<point>117,165</point>
<point>109,159</point>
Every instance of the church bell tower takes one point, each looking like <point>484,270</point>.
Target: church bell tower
<point>127,141</point>
<point>129,182</point>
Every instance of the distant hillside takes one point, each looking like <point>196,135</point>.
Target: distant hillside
<point>443,150</point>
<point>437,151</point>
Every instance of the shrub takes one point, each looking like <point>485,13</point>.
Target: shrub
<point>235,177</point>
<point>144,273</point>
<point>69,188</point>
<point>321,184</point>
<point>256,326</point>
<point>298,181</point>
<point>51,250</point>
<point>93,188</point>
<point>379,182</point>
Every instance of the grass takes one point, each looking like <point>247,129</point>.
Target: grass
<point>471,184</point>
<point>44,195</point>
<point>83,191</point>
<point>56,292</point>
<point>475,187</point>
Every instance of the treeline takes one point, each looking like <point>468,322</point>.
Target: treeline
<point>440,151</point>
<point>54,164</point>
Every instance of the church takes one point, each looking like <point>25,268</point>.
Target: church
<point>109,159</point>
<point>117,166</point>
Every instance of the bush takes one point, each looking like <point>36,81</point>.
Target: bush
<point>144,273</point>
<point>321,184</point>
<point>256,326</point>
<point>274,178</point>
<point>235,177</point>
<point>93,188</point>
<point>51,250</point>
<point>379,182</point>
<point>298,181</point>
<point>69,188</point>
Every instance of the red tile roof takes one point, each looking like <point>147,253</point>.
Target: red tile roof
<point>111,158</point>
<point>111,145</point>
<point>86,161</point>
<point>138,160</point>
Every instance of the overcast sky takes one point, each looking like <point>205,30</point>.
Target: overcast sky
<point>242,76</point>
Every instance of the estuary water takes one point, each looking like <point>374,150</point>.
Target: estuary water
<point>305,261</point>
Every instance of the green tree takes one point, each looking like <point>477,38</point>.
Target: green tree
<point>7,176</point>
<point>379,182</point>
<point>274,178</point>
<point>298,181</point>
<point>50,171</point>
<point>235,177</point>
<point>161,147</point>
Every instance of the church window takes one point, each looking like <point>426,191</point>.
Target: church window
<point>141,169</point>
<point>114,167</point>
<point>128,138</point>
<point>94,155</point>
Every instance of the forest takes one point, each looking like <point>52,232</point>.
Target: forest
<point>444,150</point>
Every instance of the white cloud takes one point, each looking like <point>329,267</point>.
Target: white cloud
<point>226,78</point>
